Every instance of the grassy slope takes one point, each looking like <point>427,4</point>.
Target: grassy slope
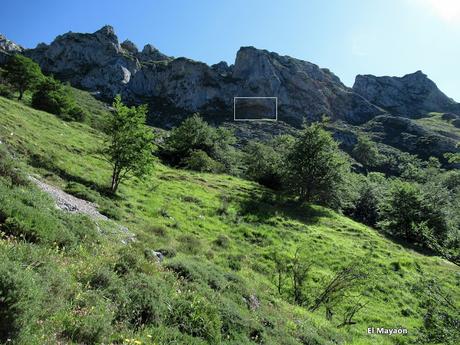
<point>189,207</point>
<point>436,123</point>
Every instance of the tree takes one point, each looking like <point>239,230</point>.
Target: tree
<point>315,168</point>
<point>263,164</point>
<point>402,209</point>
<point>129,143</point>
<point>195,135</point>
<point>365,151</point>
<point>55,98</point>
<point>22,73</point>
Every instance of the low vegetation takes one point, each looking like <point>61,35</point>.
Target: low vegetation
<point>219,259</point>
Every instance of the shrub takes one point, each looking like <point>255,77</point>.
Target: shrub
<point>81,191</point>
<point>19,300</point>
<point>192,270</point>
<point>147,300</point>
<point>127,262</point>
<point>190,244</point>
<point>90,320</point>
<point>200,161</point>
<point>30,215</point>
<point>77,113</point>
<point>222,241</point>
<point>263,164</point>
<point>6,91</point>
<point>198,146</point>
<point>109,209</point>
<point>53,98</point>
<point>9,169</point>
<point>196,315</point>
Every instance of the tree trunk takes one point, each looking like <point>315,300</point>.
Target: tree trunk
<point>115,181</point>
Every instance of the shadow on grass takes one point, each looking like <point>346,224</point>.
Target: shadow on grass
<point>47,163</point>
<point>263,205</point>
<point>419,248</point>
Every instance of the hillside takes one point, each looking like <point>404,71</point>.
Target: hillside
<point>218,235</point>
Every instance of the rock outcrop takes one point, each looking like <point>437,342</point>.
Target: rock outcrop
<point>99,63</point>
<point>413,95</point>
<point>7,48</point>
<point>406,135</point>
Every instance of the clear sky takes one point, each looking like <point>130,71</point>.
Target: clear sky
<point>381,37</point>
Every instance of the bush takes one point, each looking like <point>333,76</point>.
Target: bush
<point>415,214</point>
<point>30,215</point>
<point>127,262</point>
<point>9,169</point>
<point>198,146</point>
<point>81,191</point>
<point>263,164</point>
<point>77,113</point>
<point>195,271</point>
<point>371,193</point>
<point>6,91</point>
<point>196,315</point>
<point>200,161</point>
<point>147,300</point>
<point>19,300</point>
<point>222,241</point>
<point>53,97</point>
<point>90,321</point>
<point>190,244</point>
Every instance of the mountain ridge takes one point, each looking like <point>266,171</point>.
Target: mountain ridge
<point>174,88</point>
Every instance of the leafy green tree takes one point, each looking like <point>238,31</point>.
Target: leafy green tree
<point>22,73</point>
<point>129,143</point>
<point>263,164</point>
<point>371,193</point>
<point>402,209</point>
<point>365,151</point>
<point>55,98</point>
<point>194,134</point>
<point>315,168</point>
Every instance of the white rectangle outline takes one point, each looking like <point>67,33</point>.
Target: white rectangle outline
<point>262,119</point>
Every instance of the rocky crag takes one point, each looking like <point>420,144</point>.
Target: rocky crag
<point>413,95</point>
<point>100,63</point>
<point>176,87</point>
<point>7,48</point>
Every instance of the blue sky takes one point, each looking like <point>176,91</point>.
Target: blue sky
<point>381,37</point>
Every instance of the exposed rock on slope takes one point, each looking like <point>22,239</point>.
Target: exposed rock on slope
<point>406,135</point>
<point>98,62</point>
<point>413,95</point>
<point>7,48</point>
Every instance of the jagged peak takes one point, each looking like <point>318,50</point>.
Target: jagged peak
<point>8,45</point>
<point>106,30</point>
<point>129,46</point>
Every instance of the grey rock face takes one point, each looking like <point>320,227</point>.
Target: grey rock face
<point>99,63</point>
<point>406,135</point>
<point>413,95</point>
<point>150,53</point>
<point>129,46</point>
<point>7,48</point>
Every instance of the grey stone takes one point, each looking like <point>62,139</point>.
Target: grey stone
<point>413,95</point>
